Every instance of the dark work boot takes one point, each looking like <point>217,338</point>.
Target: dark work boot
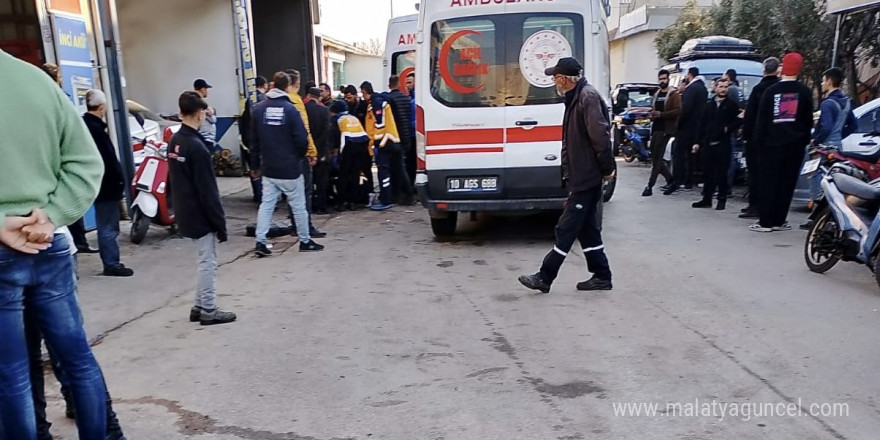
<point>705,203</point>
<point>216,316</point>
<point>594,284</point>
<point>195,313</point>
<point>534,282</point>
<point>648,192</point>
<point>722,204</point>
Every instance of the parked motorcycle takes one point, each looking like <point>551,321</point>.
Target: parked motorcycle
<point>634,145</point>
<point>848,224</point>
<point>150,192</point>
<point>825,160</point>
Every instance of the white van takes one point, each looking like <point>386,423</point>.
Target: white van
<point>400,47</point>
<point>488,121</point>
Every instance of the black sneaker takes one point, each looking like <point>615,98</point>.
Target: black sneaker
<point>702,204</point>
<point>806,226</point>
<point>86,249</point>
<point>722,204</point>
<point>534,282</point>
<point>317,233</point>
<point>594,284</point>
<point>749,213</point>
<point>648,192</point>
<point>118,271</point>
<point>311,246</point>
<point>262,251</point>
<point>670,190</point>
<point>195,313</point>
<point>216,317</point>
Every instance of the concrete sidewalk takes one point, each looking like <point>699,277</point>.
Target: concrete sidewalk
<point>164,267</point>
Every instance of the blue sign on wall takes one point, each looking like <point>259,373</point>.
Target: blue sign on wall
<point>74,55</point>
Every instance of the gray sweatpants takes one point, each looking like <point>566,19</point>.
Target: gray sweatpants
<point>206,294</point>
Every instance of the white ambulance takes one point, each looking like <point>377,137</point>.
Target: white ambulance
<point>400,47</point>
<point>488,121</point>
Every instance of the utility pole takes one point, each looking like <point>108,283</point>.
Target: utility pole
<point>392,7</point>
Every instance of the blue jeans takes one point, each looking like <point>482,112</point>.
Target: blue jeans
<point>295,191</point>
<point>107,217</point>
<point>45,283</point>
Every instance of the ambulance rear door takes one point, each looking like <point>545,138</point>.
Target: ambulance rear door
<point>536,40</point>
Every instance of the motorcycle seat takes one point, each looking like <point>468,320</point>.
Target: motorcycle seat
<point>871,155</point>
<point>854,187</point>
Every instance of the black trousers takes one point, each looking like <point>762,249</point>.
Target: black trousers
<point>579,221</point>
<point>753,164</point>
<point>716,164</point>
<point>659,166</point>
<point>401,188</point>
<point>321,174</point>
<point>308,184</point>
<point>409,151</point>
<point>78,231</point>
<point>780,168</point>
<point>682,165</point>
<point>353,160</point>
<point>38,383</point>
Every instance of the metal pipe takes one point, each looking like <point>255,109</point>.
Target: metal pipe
<point>836,40</point>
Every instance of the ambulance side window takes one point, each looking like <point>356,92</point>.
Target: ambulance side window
<point>401,61</point>
<point>466,68</point>
<point>541,39</point>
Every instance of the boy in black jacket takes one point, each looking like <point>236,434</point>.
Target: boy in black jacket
<point>720,120</point>
<point>198,211</point>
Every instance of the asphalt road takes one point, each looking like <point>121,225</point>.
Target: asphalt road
<point>390,334</point>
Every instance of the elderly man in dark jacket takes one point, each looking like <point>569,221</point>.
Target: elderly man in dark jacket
<point>587,160</point>
<point>771,77</point>
<point>112,185</point>
<point>401,185</point>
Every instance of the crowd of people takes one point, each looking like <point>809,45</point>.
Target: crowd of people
<point>775,124</point>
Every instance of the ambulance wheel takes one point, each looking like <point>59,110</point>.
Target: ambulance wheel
<point>444,225</point>
<point>140,224</point>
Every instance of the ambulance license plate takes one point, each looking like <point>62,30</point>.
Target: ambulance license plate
<point>472,184</point>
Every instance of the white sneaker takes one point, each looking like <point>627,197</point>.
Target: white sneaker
<point>758,228</point>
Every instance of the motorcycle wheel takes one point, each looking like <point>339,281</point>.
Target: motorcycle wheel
<point>627,158</point>
<point>140,224</point>
<point>820,252</point>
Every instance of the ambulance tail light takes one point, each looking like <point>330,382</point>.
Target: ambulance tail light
<point>421,140</point>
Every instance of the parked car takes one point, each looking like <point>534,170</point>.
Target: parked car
<point>626,97</point>
<point>866,137</point>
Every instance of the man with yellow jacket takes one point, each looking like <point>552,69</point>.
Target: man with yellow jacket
<point>382,131</point>
<point>311,154</point>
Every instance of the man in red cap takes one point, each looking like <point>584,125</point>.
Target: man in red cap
<point>782,132</point>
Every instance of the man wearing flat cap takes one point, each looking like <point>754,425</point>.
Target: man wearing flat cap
<point>587,160</point>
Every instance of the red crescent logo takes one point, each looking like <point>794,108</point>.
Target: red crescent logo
<point>405,73</point>
<point>444,64</point>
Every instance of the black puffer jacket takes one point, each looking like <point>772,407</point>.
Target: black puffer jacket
<point>586,139</point>
<point>401,107</point>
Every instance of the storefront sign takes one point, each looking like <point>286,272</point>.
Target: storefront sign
<point>467,63</point>
<point>74,57</point>
<point>248,76</point>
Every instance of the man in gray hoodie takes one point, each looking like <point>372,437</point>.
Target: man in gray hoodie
<point>208,130</point>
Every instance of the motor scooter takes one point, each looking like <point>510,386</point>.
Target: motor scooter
<point>150,192</point>
<point>633,145</point>
<point>848,224</point>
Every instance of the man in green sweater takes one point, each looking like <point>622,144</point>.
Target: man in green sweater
<point>49,176</point>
